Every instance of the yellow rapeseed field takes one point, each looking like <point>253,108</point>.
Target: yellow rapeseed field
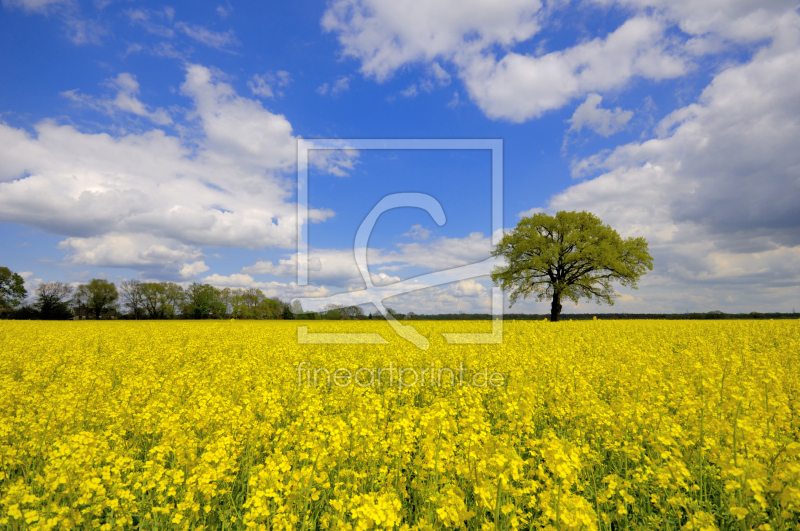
<point>219,425</point>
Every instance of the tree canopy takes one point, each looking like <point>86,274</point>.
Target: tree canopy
<point>51,300</point>
<point>12,290</point>
<point>570,255</point>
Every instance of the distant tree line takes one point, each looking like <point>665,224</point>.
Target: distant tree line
<point>133,299</point>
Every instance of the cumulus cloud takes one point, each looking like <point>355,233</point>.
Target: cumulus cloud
<point>519,87</point>
<point>478,37</point>
<point>712,23</point>
<point>192,269</point>
<point>385,35</point>
<point>604,122</point>
<point>237,128</point>
<point>104,193</point>
<point>137,251</point>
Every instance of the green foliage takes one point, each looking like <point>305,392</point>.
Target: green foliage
<point>161,300</point>
<point>572,255</point>
<point>51,300</point>
<point>12,290</point>
<point>132,298</point>
<point>98,296</point>
<point>205,301</point>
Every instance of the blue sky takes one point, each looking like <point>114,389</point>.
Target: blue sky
<point>158,141</point>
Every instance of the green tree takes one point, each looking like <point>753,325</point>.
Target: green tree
<point>161,299</point>
<point>51,300</point>
<point>572,255</point>
<point>252,301</point>
<point>352,312</point>
<point>286,312</point>
<point>101,296</point>
<point>132,297</point>
<point>152,294</point>
<point>269,308</point>
<point>204,301</point>
<point>332,311</point>
<point>12,290</point>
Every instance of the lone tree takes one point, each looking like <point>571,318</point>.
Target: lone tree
<point>571,255</point>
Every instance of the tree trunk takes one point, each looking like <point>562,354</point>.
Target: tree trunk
<point>555,308</point>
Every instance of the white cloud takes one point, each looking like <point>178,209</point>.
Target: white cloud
<point>385,35</point>
<point>138,251</point>
<point>83,31</point>
<point>528,213</point>
<point>192,269</point>
<point>520,87</point>
<point>262,85</point>
<point>35,6</point>
<point>440,74</point>
<point>439,253</point>
<point>437,77</point>
<point>125,100</point>
<point>235,128</point>
<point>337,267</point>
<point>284,268</point>
<point>284,291</point>
<point>718,20</point>
<point>478,37</point>
<point>418,232</point>
<point>259,86</point>
<point>79,30</point>
<point>148,20</point>
<point>454,102</point>
<point>604,122</point>
<point>469,296</point>
<point>30,282</point>
<point>105,193</point>
<point>342,84</point>
<point>208,37</point>
<point>410,92</point>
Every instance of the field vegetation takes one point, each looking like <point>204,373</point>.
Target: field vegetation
<point>213,425</point>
